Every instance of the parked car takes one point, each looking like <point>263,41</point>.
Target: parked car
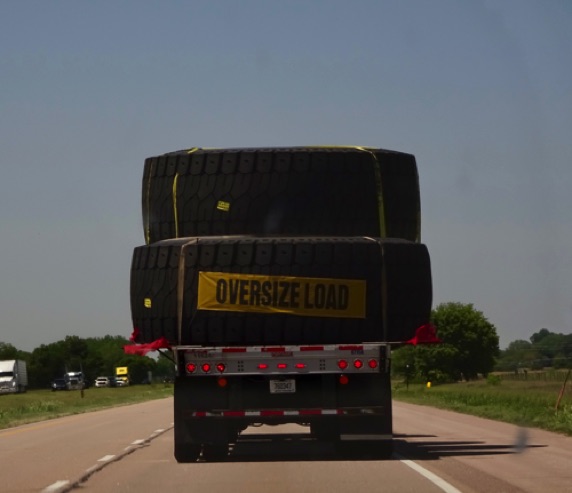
<point>102,382</point>
<point>59,384</point>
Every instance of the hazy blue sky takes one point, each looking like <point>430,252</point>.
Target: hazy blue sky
<point>479,91</point>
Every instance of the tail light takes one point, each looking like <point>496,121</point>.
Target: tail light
<point>342,364</point>
<point>220,367</point>
<point>373,364</point>
<point>206,367</point>
<point>358,363</point>
<point>191,367</point>
<point>344,380</point>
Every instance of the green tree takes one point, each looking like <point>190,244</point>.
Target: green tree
<point>7,351</point>
<point>469,347</point>
<point>470,341</point>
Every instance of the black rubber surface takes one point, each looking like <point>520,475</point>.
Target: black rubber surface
<point>304,191</point>
<point>398,292</point>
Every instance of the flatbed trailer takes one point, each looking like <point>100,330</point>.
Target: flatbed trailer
<point>343,392</point>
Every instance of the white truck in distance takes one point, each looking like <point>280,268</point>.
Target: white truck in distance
<point>13,376</point>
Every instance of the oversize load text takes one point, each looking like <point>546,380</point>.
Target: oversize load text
<point>296,295</point>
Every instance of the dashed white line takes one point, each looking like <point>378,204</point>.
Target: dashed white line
<point>436,480</point>
<point>137,442</point>
<point>106,458</point>
<point>55,487</point>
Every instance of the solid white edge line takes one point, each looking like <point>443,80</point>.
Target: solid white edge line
<point>436,480</point>
<point>106,458</point>
<point>137,442</point>
<point>55,487</point>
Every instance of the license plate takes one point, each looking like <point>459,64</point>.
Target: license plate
<point>282,386</point>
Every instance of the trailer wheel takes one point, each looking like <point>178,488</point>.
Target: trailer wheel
<point>215,452</point>
<point>187,452</point>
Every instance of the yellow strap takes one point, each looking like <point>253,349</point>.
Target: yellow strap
<point>148,221</point>
<point>378,182</point>
<point>175,208</point>
<point>378,186</point>
<point>175,214</point>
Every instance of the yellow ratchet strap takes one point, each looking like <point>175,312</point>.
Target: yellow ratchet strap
<point>175,208</point>
<point>148,194</point>
<point>378,183</point>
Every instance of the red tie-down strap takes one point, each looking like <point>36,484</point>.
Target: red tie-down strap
<point>143,349</point>
<point>426,334</point>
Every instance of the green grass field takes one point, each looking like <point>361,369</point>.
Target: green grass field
<point>525,403</point>
<point>38,405</point>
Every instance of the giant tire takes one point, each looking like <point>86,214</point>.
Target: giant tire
<point>397,295</point>
<point>301,191</point>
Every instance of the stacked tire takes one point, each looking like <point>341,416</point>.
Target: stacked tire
<point>311,213</point>
<point>285,192</point>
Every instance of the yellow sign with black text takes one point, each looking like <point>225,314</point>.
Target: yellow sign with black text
<point>308,296</point>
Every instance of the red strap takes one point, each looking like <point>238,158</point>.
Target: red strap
<point>143,349</point>
<point>426,334</point>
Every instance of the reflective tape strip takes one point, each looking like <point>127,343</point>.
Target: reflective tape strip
<point>281,349</point>
<point>268,413</point>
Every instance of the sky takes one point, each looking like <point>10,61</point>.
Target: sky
<point>480,92</point>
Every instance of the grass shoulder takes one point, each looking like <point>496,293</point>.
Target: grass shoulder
<point>39,405</point>
<point>524,403</point>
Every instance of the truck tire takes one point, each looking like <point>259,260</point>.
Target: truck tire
<point>301,191</point>
<point>396,275</point>
<point>215,452</point>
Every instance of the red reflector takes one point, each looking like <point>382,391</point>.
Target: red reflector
<point>358,363</point>
<point>372,363</point>
<point>191,367</point>
<point>206,367</point>
<point>282,366</point>
<point>304,412</point>
<point>234,350</point>
<point>351,348</point>
<point>344,380</point>
<point>271,413</point>
<point>300,366</point>
<point>262,366</point>
<point>342,364</point>
<point>220,367</point>
<point>222,382</point>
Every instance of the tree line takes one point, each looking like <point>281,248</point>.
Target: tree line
<point>469,348</point>
<point>93,356</point>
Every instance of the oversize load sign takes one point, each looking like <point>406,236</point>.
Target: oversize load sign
<point>307,296</point>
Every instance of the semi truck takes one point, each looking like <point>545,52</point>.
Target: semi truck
<point>13,376</point>
<point>280,279</point>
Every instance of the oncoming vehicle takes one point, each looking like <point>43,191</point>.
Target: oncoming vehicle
<point>59,384</point>
<point>122,381</point>
<point>102,382</point>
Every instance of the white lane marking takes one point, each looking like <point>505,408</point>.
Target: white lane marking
<point>159,431</point>
<point>137,442</point>
<point>106,458</point>
<point>55,487</point>
<point>436,480</point>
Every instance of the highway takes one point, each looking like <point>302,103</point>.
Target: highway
<point>129,449</point>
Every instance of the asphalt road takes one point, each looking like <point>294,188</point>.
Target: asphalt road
<point>129,449</point>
